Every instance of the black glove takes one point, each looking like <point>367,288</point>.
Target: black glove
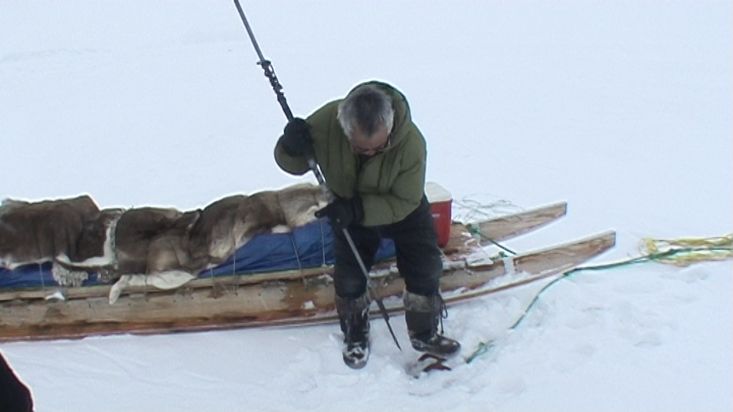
<point>343,212</point>
<point>297,140</point>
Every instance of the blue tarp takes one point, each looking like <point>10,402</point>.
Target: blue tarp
<point>304,247</point>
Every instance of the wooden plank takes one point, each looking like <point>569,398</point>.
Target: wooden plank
<point>504,227</point>
<point>281,301</point>
<point>201,282</point>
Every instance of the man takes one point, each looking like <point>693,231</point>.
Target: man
<point>373,159</point>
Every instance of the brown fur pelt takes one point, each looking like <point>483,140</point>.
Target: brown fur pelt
<point>32,232</point>
<point>147,240</point>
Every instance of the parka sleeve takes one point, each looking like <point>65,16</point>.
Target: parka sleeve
<point>292,164</point>
<point>318,121</point>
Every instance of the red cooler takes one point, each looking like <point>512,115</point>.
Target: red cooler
<point>440,205</point>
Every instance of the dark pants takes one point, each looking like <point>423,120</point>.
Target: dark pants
<point>418,256</point>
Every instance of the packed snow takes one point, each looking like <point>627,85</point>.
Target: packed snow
<point>624,109</point>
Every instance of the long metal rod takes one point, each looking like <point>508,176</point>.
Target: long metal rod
<point>266,65</point>
<point>313,165</point>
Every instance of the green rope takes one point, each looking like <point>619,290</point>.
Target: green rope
<point>484,347</point>
<point>476,231</point>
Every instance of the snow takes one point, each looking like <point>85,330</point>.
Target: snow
<point>624,109</point>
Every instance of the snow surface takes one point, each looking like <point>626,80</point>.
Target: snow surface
<point>624,109</point>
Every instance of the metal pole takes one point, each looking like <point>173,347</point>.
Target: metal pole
<point>266,65</point>
<point>312,164</point>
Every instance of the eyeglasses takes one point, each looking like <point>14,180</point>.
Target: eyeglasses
<point>370,151</point>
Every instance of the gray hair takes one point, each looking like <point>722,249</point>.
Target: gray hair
<point>366,107</point>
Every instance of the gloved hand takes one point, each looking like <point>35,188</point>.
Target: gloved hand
<point>343,212</point>
<point>297,139</point>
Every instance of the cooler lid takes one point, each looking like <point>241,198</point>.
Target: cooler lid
<point>436,193</point>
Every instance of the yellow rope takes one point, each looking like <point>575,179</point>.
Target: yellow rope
<point>691,250</point>
<point>679,252</point>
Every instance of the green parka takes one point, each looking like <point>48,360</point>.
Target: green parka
<point>390,184</point>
